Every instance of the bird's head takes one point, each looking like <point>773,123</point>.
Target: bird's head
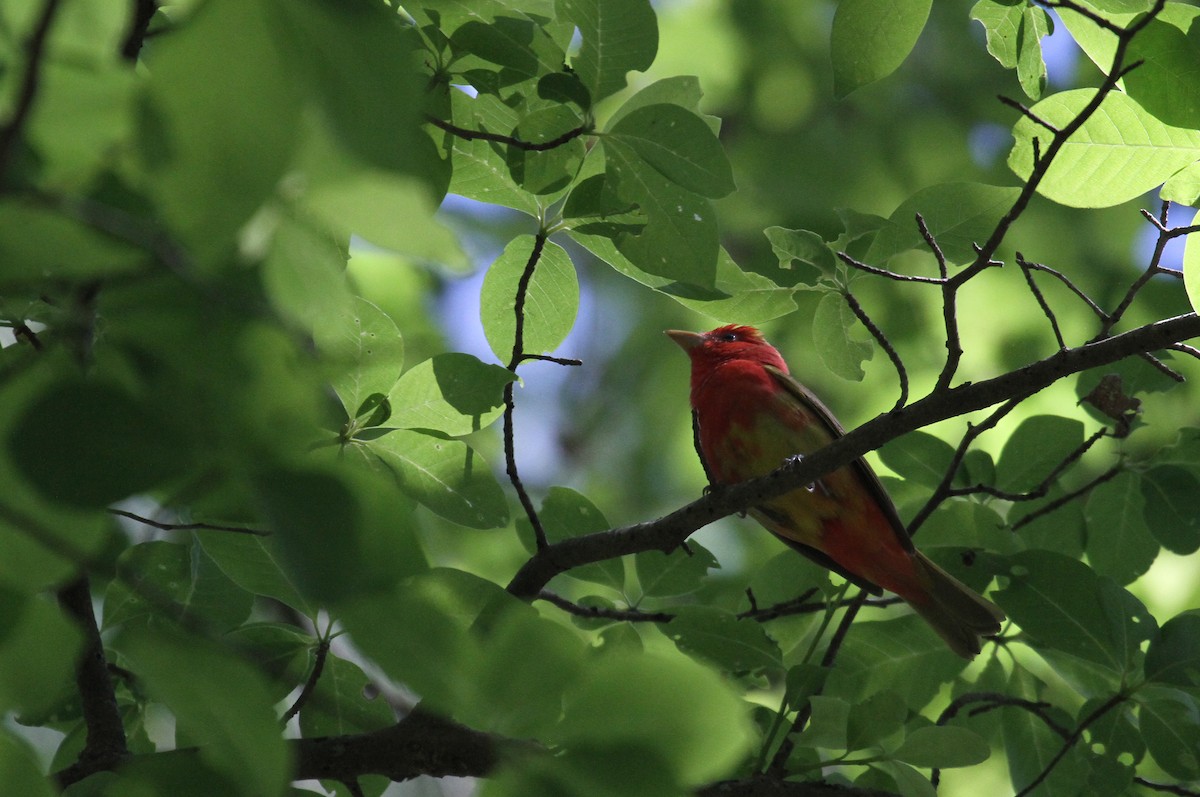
<point>723,344</point>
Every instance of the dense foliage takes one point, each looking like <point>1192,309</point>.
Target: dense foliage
<point>255,530</point>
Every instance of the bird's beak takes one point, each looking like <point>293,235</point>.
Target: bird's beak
<point>686,340</point>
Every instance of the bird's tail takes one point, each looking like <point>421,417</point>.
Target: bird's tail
<point>957,613</point>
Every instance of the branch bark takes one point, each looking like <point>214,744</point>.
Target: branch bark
<point>669,531</point>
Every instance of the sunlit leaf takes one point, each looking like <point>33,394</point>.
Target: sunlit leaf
<point>366,346</point>
<point>453,393</point>
<point>678,145</point>
<point>550,303</point>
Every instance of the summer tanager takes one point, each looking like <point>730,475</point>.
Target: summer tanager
<point>753,416</point>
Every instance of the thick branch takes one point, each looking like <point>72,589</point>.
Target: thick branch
<point>105,745</point>
<point>669,531</point>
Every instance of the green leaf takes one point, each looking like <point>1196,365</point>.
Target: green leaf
<point>1170,722</point>
<point>38,651</point>
<point>340,704</point>
<point>1191,271</point>
<point>680,238</point>
<point>1001,20</point>
<point>1119,543</point>
<point>678,709</point>
<point>871,38</point>
<point>480,168</point>
<point>452,393</point>
<point>827,726</point>
<point>831,326</point>
<point>22,770</point>
<point>618,36</point>
<point>1031,66</point>
<point>218,700</point>
<point>445,475</point>
<point>1035,449</point>
<point>1119,153</point>
<point>903,655</point>
<point>1061,604</point>
<point>676,573</point>
<point>1174,654</point>
<point>566,513</point>
<point>366,347</point>
<point>918,456</point>
<point>681,90</point>
<point>254,564</point>
<point>547,171</point>
<point>518,45</point>
<point>872,720</point>
<point>1039,745</point>
<point>90,443</point>
<point>37,241</point>
<point>943,746</point>
<point>1164,85</point>
<point>1183,187</point>
<point>802,247</point>
<point>679,145</point>
<point>551,298</point>
<point>715,635</point>
<point>895,777</point>
<point>213,162</point>
<point>177,581</point>
<point>304,272</point>
<point>958,216</point>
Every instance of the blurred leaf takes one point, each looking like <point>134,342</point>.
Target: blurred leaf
<point>957,215</point>
<point>1035,449</point>
<point>90,443</point>
<point>38,651</point>
<point>452,393</point>
<point>445,475</point>
<point>677,573</point>
<point>1174,654</point>
<point>1119,543</point>
<point>551,298</point>
<point>1119,153</point>
<point>871,38</point>
<point>1170,722</point>
<point>680,710</point>
<point>280,651</point>
<point>1191,271</point>
<point>367,347</point>
<point>618,36</point>
<point>21,768</point>
<point>735,645</point>
<point>827,726</point>
<point>1183,187</point>
<point>831,327</point>
<point>218,700</point>
<point>1062,604</point>
<point>37,241</point>
<point>678,145</point>
<point>943,746</point>
<point>895,777</point>
<point>214,162</point>
<point>918,456</point>
<point>304,273</point>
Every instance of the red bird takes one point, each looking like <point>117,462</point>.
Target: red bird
<point>752,416</point>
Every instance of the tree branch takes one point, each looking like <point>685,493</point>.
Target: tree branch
<point>667,532</point>
<point>10,134</point>
<point>105,746</point>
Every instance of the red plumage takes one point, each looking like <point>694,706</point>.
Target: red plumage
<point>753,415</point>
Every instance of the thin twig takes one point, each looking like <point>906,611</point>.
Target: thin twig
<point>1070,741</point>
<point>518,352</point>
<point>1167,788</point>
<point>884,343</point>
<point>1026,112</point>
<point>883,272</point>
<point>1065,280</point>
<point>932,243</point>
<point>571,361</point>
<point>187,526</point>
<point>1041,300</point>
<point>1063,500</point>
<point>603,612</point>
<point>516,143</point>
<point>310,685</point>
<point>1043,487</point>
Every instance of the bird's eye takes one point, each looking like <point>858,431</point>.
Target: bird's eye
<point>728,337</point>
